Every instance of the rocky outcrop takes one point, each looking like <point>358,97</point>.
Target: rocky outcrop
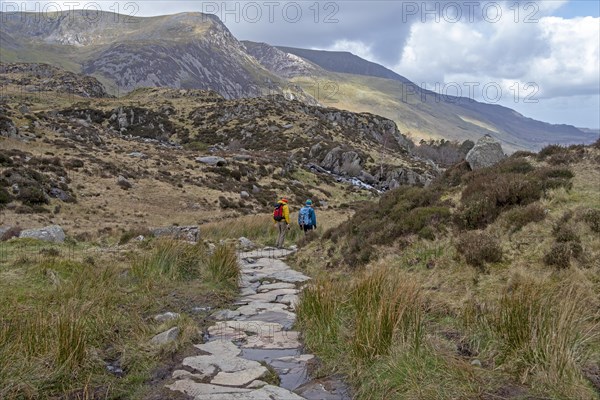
<point>189,233</point>
<point>36,78</point>
<point>346,163</point>
<point>8,128</point>
<point>53,233</point>
<point>279,62</point>
<point>486,153</point>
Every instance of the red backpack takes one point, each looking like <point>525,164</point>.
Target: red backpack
<point>278,212</point>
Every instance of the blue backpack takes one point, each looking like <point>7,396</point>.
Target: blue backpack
<point>304,217</point>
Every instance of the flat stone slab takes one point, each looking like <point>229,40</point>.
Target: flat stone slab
<point>273,341</point>
<point>275,286</point>
<point>223,315</point>
<point>183,374</point>
<point>270,296</point>
<point>289,299</point>
<point>285,318</point>
<point>266,253</point>
<point>239,378</point>
<point>207,364</point>
<point>204,391</point>
<point>222,348</point>
<point>254,308</point>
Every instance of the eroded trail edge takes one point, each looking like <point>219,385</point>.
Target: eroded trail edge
<point>249,345</point>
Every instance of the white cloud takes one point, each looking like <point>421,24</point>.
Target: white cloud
<point>355,47</point>
<point>560,55</point>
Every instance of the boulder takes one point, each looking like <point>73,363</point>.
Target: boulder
<point>8,128</point>
<point>347,163</point>
<point>246,244</point>
<point>166,336</point>
<point>61,195</point>
<point>166,316</point>
<point>486,153</point>
<point>244,195</point>
<point>212,160</point>
<point>53,233</point>
<point>124,183</point>
<point>189,233</point>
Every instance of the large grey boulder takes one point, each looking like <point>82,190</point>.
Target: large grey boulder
<point>166,336</point>
<point>189,233</point>
<point>212,160</point>
<point>53,233</point>
<point>8,128</point>
<point>347,163</point>
<point>486,153</point>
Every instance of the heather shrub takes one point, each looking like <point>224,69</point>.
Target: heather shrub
<point>479,248</point>
<point>559,255</point>
<point>592,218</point>
<point>521,216</point>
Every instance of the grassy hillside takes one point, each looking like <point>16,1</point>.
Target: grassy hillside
<point>482,286</point>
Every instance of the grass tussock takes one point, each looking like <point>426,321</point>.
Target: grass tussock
<point>358,323</point>
<point>542,333</point>
<point>181,261</point>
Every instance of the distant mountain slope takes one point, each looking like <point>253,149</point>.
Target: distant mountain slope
<point>344,62</point>
<point>188,50</point>
<point>423,113</point>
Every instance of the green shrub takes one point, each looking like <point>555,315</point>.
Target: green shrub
<point>479,248</point>
<point>550,151</point>
<point>33,196</point>
<point>515,165</point>
<point>521,216</point>
<point>196,146</point>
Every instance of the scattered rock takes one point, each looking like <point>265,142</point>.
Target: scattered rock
<point>246,244</point>
<point>53,233</point>
<point>242,157</point>
<point>212,160</point>
<point>61,195</point>
<point>137,154</point>
<point>166,336</point>
<point>224,315</point>
<point>476,363</point>
<point>487,152</point>
<point>255,189</point>
<point>244,195</point>
<point>189,233</point>
<point>124,183</point>
<point>168,316</point>
<point>8,128</point>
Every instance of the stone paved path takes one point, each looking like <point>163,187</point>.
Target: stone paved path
<point>257,333</point>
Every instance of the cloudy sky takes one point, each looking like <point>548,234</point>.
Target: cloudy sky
<point>543,55</point>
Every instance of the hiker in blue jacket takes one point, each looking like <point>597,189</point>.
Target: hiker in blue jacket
<point>307,219</point>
